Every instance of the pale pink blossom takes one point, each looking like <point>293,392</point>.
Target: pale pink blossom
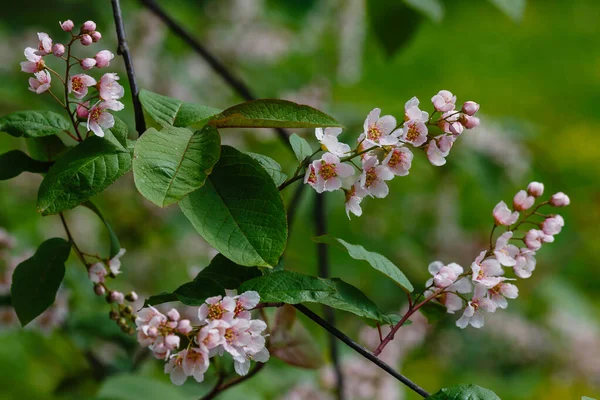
<point>195,363</point>
<point>184,327</point>
<point>44,44</point>
<point>502,291</point>
<point>103,58</point>
<point>214,308</point>
<point>114,264</point>
<point>379,131</point>
<point>96,36</point>
<point>505,253</point>
<point>34,63</point>
<point>173,314</point>
<point>330,173</point>
<point>435,155</point>
<point>109,88</point>
<point>100,119</point>
<point>535,189</point>
<point>310,176</point>
<point>374,176</point>
<point>469,122</point>
<point>86,40</point>
<point>212,335</point>
<point>354,197</point>
<point>560,200</point>
<point>88,26</point>
<point>450,299</point>
<point>525,263</point>
<point>97,272</point>
<point>241,364</point>
<point>553,225</point>
<point>470,108</point>
<point>444,101</point>
<point>41,82</point>
<point>534,239</point>
<point>88,63</point>
<point>116,297</point>
<point>487,271</point>
<point>414,132</point>
<point>503,216</point>
<point>473,314</point>
<point>67,26</point>
<point>236,337</point>
<point>412,112</point>
<point>78,85</point>
<point>523,201</point>
<point>328,138</point>
<point>58,49</point>
<point>159,349</point>
<point>149,316</point>
<point>172,342</point>
<point>451,123</point>
<point>399,160</point>
<point>83,110</point>
<point>244,302</point>
<point>443,275</point>
<point>175,368</point>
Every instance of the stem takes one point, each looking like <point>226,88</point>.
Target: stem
<point>351,156</point>
<point>67,103</point>
<point>224,386</point>
<point>492,237</point>
<point>290,181</point>
<point>75,248</point>
<point>123,50</point>
<point>534,211</point>
<point>57,99</point>
<point>265,305</point>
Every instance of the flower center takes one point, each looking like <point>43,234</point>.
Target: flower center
<point>350,193</point>
<point>215,311</point>
<point>95,114</point>
<point>312,177</point>
<point>77,84</point>
<point>373,133</point>
<point>371,177</point>
<point>229,335</point>
<point>396,158</point>
<point>413,132</point>
<point>328,171</point>
<point>238,308</point>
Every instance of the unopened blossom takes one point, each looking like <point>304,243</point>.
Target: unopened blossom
<point>172,342</point>
<point>67,26</point>
<point>175,368</point>
<point>473,314</point>
<point>96,36</point>
<point>244,302</point>
<point>109,88</point>
<point>379,131</point>
<point>414,132</point>
<point>331,172</point>
<point>173,314</point>
<point>83,110</point>
<point>525,263</point>
<point>354,197</point>
<point>88,26</point>
<point>97,272</point>
<point>523,201</point>
<point>184,327</point>
<point>195,363</point>
<point>58,49</point>
<point>374,176</point>
<point>44,44</point>
<point>86,40</point>
<point>469,122</point>
<point>535,189</point>
<point>470,108</point>
<point>502,291</point>
<point>88,63</point>
<point>553,225</point>
<point>398,160</point>
<point>505,253</point>
<point>503,216</point>
<point>41,82</point>
<point>412,112</point>
<point>435,155</point>
<point>216,308</point>
<point>444,101</point>
<point>116,297</point>
<point>99,118</point>
<point>487,271</point>
<point>443,275</point>
<point>560,200</point>
<point>328,138</point>
<point>103,58</point>
<point>310,176</point>
<point>78,85</point>
<point>99,289</point>
<point>451,123</point>
<point>114,264</point>
<point>34,63</point>
<point>535,238</point>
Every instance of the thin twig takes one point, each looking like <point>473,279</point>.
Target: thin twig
<point>217,390</point>
<point>293,206</point>
<point>123,50</point>
<point>77,251</point>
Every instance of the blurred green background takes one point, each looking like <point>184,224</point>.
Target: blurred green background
<point>537,79</point>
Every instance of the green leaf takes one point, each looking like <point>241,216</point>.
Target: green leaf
<point>376,260</point>
<point>37,279</point>
<point>393,23</point>
<point>272,167</point>
<point>121,387</point>
<point>46,148</point>
<point>86,170</point>
<point>31,124</point>
<point>115,246</point>
<point>514,9</point>
<point>239,211</point>
<point>433,311</point>
<point>14,162</point>
<point>464,392</point>
<point>301,148</point>
<point>271,113</point>
<point>434,9</point>
<point>171,163</point>
<point>219,275</point>
<point>172,112</point>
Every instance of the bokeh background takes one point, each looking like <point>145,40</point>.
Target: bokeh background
<point>537,78</point>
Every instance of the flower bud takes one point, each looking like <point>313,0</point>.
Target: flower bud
<point>173,315</point>
<point>58,49</point>
<point>116,297</point>
<point>122,322</point>
<point>131,297</point>
<point>96,36</point>
<point>470,122</point>
<point>560,200</point>
<point>128,310</point>
<point>88,63</point>
<point>172,342</point>
<point>103,58</point>
<point>82,110</point>
<point>535,189</point>
<point>99,289</point>
<point>522,201</point>
<point>67,26</point>
<point>88,26</point>
<point>533,240</point>
<point>114,315</point>
<point>86,40</point>
<point>553,225</point>
<point>184,327</point>
<point>470,108</point>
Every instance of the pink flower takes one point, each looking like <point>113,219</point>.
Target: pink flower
<point>86,40</point>
<point>525,263</point>
<point>34,62</point>
<point>97,272</point>
<point>310,176</point>
<point>236,337</point>
<point>244,303</point>
<point>560,200</point>
<point>505,252</point>
<point>184,327</point>
<point>443,275</point>
<point>470,108</point>
<point>172,342</point>
<point>502,291</point>
<point>215,309</point>
<point>354,197</point>
<point>450,299</point>
<point>173,314</point>
<point>412,111</point>
<point>88,63</point>
<point>374,176</point>
<point>379,131</point>
<point>67,26</point>
<point>96,36</point>
<point>473,314</point>
<point>503,216</point>
<point>486,272</point>
<point>115,263</point>
<point>103,58</point>
<point>44,44</point>
<point>444,101</point>
<point>522,201</point>
<point>469,122</point>
<point>330,172</point>
<point>451,123</point>
<point>535,189</point>
<point>88,26</point>
<point>175,368</point>
<point>553,226</point>
<point>195,363</point>
<point>41,82</point>
<point>211,336</point>
<point>78,84</point>
<point>414,132</point>
<point>149,316</point>
<point>83,110</point>
<point>99,118</point>
<point>435,155</point>
<point>241,364</point>
<point>534,239</point>
<point>399,160</point>
<point>109,87</point>
<point>58,49</point>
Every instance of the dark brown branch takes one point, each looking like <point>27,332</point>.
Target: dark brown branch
<point>217,390</point>
<point>123,50</point>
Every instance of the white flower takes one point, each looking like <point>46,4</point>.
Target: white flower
<point>443,275</point>
<point>328,138</point>
<point>374,176</point>
<point>44,44</point>
<point>175,368</point>
<point>473,314</point>
<point>487,272</point>
<point>41,82</point>
<point>399,160</point>
<point>195,363</point>
<point>354,197</point>
<point>236,337</point>
<point>502,291</point>
<point>412,111</point>
<point>505,252</point>
<point>525,263</point>
<point>110,89</point>
<point>99,118</point>
<point>503,216</point>
<point>215,308</point>
<point>435,156</point>
<point>414,132</point>
<point>444,101</point>
<point>34,63</point>
<point>379,131</point>
<point>78,84</point>
<point>97,272</point>
<point>115,263</point>
<point>330,172</point>
<point>244,302</point>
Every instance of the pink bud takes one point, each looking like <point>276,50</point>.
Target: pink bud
<point>184,327</point>
<point>131,297</point>
<point>103,58</point>
<point>470,122</point>
<point>172,342</point>
<point>116,297</point>
<point>173,315</point>
<point>58,49</point>
<point>88,26</point>
<point>99,289</point>
<point>67,26</point>
<point>88,63</point>
<point>535,189</point>
<point>522,201</point>
<point>153,332</point>
<point>86,40</point>
<point>470,108</point>
<point>553,225</point>
<point>533,239</point>
<point>82,110</point>
<point>560,200</point>
<point>96,36</point>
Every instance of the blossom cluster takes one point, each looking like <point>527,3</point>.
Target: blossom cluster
<point>226,326</point>
<point>450,284</point>
<point>384,148</point>
<point>94,109</point>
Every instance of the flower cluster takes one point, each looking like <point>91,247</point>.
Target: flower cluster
<point>226,326</point>
<point>490,288</point>
<point>94,109</point>
<point>384,148</point>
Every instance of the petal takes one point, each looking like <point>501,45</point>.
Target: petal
<point>387,124</point>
